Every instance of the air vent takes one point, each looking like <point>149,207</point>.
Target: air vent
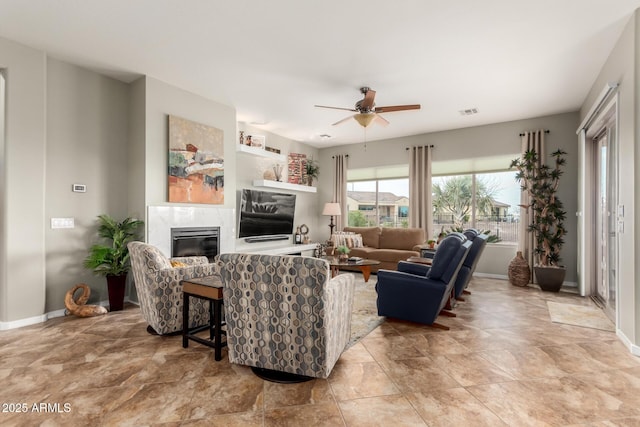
<point>468,112</point>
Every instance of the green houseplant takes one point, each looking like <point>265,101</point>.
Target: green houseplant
<point>548,214</point>
<point>111,259</point>
<point>312,169</point>
<point>344,252</point>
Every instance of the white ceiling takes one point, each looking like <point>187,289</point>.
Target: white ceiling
<point>273,60</point>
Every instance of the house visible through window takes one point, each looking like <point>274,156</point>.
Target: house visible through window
<point>381,202</point>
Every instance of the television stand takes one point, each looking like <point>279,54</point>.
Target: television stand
<point>257,239</point>
<point>276,248</point>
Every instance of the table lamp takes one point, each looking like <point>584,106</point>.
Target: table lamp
<point>331,209</point>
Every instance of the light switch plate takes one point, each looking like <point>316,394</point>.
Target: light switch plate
<point>62,222</point>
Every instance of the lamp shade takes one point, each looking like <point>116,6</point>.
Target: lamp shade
<point>365,119</point>
<point>331,209</point>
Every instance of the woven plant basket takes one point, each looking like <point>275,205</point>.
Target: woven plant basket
<point>519,271</point>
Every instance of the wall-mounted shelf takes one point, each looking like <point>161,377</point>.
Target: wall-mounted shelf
<point>261,152</point>
<point>283,185</point>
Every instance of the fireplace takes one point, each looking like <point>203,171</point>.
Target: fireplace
<point>190,241</point>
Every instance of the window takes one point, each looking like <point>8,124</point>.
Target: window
<point>380,202</point>
<point>492,206</point>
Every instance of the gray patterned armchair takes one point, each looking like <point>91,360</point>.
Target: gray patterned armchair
<point>285,313</point>
<point>159,290</point>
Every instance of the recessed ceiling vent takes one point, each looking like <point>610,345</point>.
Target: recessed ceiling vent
<point>468,112</point>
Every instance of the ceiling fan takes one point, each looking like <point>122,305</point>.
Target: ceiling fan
<point>367,112</point>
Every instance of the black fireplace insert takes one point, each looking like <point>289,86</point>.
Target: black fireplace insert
<point>192,241</point>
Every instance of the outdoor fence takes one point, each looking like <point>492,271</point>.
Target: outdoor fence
<point>505,227</point>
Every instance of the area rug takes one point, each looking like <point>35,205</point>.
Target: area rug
<point>364,317</point>
<point>579,315</point>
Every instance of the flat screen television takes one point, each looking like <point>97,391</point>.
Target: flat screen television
<point>265,213</point>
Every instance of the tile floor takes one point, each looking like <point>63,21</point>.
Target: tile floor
<point>502,363</point>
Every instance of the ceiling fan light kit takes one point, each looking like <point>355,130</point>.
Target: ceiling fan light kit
<point>365,119</point>
<point>366,113</point>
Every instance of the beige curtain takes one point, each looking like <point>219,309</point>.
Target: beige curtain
<point>420,191</point>
<point>340,189</point>
<point>533,140</point>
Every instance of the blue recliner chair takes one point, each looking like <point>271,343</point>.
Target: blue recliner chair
<point>478,242</point>
<point>418,293</point>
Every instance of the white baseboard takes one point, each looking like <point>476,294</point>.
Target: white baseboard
<point>4,326</point>
<point>633,349</point>
<point>491,276</point>
<point>23,322</point>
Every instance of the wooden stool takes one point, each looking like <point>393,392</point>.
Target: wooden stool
<point>209,289</point>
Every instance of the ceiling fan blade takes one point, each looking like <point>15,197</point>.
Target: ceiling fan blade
<point>367,102</point>
<point>381,120</point>
<point>391,108</point>
<point>335,108</point>
<point>342,121</point>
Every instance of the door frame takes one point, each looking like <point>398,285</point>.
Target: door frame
<point>606,104</point>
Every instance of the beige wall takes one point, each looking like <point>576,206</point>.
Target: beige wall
<point>467,146</point>
<point>22,278</point>
<point>162,100</point>
<point>136,166</point>
<point>87,143</point>
<point>3,237</point>
<point>252,167</point>
<point>621,67</point>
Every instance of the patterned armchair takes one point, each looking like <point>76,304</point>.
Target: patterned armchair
<point>159,290</point>
<point>285,313</point>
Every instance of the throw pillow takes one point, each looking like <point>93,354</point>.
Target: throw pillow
<point>348,239</point>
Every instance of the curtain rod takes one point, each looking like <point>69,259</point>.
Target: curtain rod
<point>545,131</point>
<point>333,157</point>
<point>409,148</point>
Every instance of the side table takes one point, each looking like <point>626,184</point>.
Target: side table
<point>420,260</point>
<point>208,288</point>
<point>427,252</point>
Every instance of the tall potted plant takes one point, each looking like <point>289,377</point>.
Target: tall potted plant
<point>548,214</point>
<point>111,259</point>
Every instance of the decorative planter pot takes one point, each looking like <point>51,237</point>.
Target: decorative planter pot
<point>550,279</point>
<point>115,288</point>
<point>343,257</point>
<point>519,272</point>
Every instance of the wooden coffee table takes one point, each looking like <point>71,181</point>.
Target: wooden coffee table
<point>364,265</point>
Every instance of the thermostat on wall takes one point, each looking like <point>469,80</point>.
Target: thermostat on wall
<point>79,188</point>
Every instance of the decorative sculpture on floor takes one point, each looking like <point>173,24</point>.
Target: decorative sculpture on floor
<point>78,307</point>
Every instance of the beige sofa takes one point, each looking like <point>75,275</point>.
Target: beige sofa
<point>388,245</point>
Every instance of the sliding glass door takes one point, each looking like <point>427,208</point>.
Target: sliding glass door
<point>605,220</point>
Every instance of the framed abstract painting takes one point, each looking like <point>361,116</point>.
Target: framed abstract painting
<point>196,162</point>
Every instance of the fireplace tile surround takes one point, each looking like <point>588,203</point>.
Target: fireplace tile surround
<point>161,219</point>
